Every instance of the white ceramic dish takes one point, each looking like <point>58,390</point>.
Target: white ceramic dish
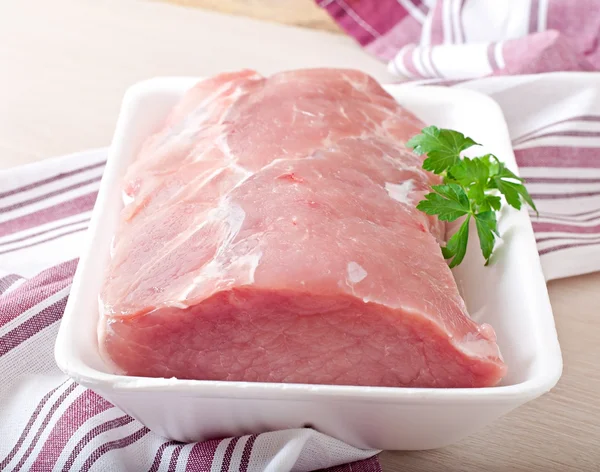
<point>511,295</point>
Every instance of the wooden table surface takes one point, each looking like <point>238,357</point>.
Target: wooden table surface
<point>64,65</point>
<point>304,13</point>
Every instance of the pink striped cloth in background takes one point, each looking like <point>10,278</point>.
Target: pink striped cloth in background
<point>465,39</point>
<point>47,422</point>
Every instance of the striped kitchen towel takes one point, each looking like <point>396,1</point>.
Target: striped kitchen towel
<point>48,422</point>
<point>464,39</point>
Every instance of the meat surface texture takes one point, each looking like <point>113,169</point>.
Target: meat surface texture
<point>270,234</point>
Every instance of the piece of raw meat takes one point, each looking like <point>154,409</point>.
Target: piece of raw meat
<point>270,234</point>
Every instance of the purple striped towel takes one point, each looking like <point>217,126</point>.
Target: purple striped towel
<point>465,39</point>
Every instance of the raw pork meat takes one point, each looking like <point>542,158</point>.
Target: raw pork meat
<point>270,234</point>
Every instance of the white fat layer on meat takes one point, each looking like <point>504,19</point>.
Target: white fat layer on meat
<point>401,165</point>
<point>476,346</point>
<point>127,199</point>
<point>223,145</point>
<point>290,162</point>
<point>274,162</point>
<point>177,304</point>
<point>209,177</point>
<point>218,92</point>
<point>225,266</point>
<point>304,112</point>
<point>400,192</point>
<point>113,246</point>
<point>100,306</point>
<point>245,174</point>
<point>195,119</point>
<point>241,170</point>
<point>237,93</point>
<point>356,272</point>
<point>248,263</point>
<point>232,217</point>
<point>186,127</point>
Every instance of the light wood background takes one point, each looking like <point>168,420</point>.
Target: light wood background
<point>64,65</point>
<point>304,13</point>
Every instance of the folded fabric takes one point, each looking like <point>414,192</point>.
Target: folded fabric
<point>462,39</point>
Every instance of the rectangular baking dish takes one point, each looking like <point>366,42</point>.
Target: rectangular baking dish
<point>510,294</point>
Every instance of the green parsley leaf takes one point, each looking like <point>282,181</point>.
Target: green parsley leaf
<point>448,202</point>
<point>472,187</point>
<point>473,175</point>
<point>470,171</point>
<point>493,201</point>
<point>476,194</point>
<point>504,180</point>
<point>492,163</point>
<point>442,146</point>
<point>456,247</point>
<point>510,192</point>
<point>525,195</point>
<point>486,230</point>
<point>505,173</point>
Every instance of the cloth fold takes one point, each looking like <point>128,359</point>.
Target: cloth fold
<point>466,39</point>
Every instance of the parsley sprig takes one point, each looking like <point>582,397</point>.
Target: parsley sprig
<point>472,188</point>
